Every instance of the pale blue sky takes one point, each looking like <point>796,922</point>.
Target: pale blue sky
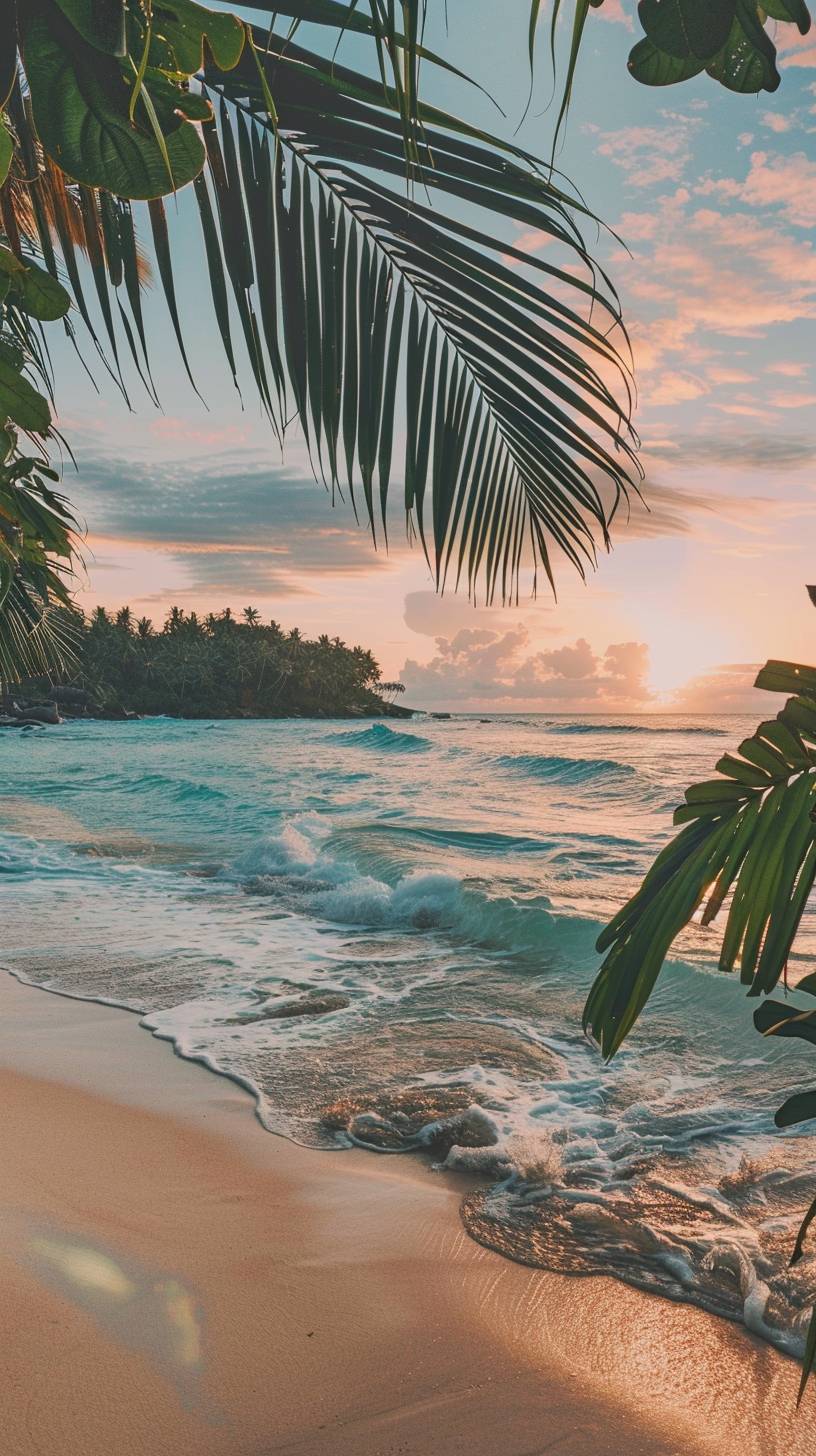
<point>715,196</point>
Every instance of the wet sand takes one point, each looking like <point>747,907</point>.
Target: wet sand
<point>177,1282</point>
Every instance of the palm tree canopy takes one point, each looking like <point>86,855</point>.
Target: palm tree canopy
<point>362,310</point>
<point>361,241</point>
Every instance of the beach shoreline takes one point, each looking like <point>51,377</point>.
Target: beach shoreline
<point>180,1281</point>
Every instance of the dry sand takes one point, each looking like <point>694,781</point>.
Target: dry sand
<point>176,1282</point>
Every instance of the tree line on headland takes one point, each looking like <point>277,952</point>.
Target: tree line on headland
<point>218,665</point>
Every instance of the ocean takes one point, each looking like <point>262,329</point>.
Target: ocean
<point>385,930</point>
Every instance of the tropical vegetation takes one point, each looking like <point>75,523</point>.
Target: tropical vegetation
<point>221,665</point>
<point>358,247</point>
<point>357,238</point>
<point>733,41</point>
<point>744,862</point>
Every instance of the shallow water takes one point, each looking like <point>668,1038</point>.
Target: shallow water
<point>387,932</point>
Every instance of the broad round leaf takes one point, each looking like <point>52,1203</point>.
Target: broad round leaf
<point>9,262</point>
<point>41,295</point>
<point>100,22</point>
<point>795,11</point>
<point>80,101</point>
<point>747,62</point>
<point>688,29</point>
<point>21,402</point>
<point>656,68</point>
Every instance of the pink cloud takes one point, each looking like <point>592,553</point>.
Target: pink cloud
<point>674,388</point>
<point>613,11</point>
<point>648,154</point>
<point>792,400</point>
<point>728,689</point>
<point>729,376</point>
<point>787,184</point>
<point>800,57</point>
<point>494,667</point>
<point>707,274</point>
<point>775,121</point>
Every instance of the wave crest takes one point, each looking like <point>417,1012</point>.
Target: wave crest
<point>567,770</point>
<point>381,737</point>
<point>635,728</point>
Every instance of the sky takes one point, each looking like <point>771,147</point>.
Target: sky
<point>714,197</point>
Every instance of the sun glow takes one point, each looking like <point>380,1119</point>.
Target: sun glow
<point>680,649</point>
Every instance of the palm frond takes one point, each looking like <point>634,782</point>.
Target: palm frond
<point>390,308</point>
<point>379,296</point>
<point>746,860</point>
<point>749,839</point>
<point>37,547</point>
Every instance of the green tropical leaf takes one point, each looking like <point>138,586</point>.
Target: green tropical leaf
<point>100,22</point>
<point>6,149</point>
<point>41,295</point>
<point>196,34</point>
<point>80,103</point>
<point>799,1108</point>
<point>688,29</point>
<point>21,402</point>
<point>787,677</point>
<point>532,424</point>
<point>726,38</point>
<point>774,1018</point>
<point>793,10</point>
<point>653,67</point>
<point>753,837</point>
<point>747,61</point>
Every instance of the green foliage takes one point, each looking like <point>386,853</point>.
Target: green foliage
<point>36,527</point>
<point>356,303</point>
<point>37,626</point>
<point>745,861</point>
<point>109,87</point>
<point>220,666</point>
<point>728,39</point>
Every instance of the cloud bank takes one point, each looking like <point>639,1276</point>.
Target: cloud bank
<point>480,666</point>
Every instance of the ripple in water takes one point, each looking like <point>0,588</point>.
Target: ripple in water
<point>396,958</point>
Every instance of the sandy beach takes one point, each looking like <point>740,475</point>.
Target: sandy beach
<point>177,1280</point>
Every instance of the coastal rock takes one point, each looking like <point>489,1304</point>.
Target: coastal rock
<point>314,1003</point>
<point>37,713</point>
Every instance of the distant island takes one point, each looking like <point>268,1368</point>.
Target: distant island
<point>221,665</point>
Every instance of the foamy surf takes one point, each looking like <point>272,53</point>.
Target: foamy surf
<point>387,936</point>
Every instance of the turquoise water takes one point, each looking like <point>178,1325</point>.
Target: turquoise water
<point>387,933</point>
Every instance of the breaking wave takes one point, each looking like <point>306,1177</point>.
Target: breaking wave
<point>405,973</point>
<point>382,738</point>
<point>568,770</point>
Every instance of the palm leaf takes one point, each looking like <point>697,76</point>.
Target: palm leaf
<point>350,290</point>
<point>373,290</point>
<point>749,839</point>
<point>746,860</point>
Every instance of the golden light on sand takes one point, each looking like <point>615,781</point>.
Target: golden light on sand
<point>131,1303</point>
<point>85,1267</point>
